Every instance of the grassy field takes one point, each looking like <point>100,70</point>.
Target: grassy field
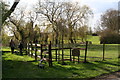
<point>16,66</point>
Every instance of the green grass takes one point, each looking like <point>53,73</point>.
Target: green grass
<point>94,39</point>
<point>16,66</point>
<point>5,48</point>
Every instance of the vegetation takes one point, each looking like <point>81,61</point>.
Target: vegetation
<point>109,20</point>
<point>110,37</point>
<point>6,13</point>
<point>65,24</point>
<point>56,26</point>
<point>108,28</point>
<point>26,67</point>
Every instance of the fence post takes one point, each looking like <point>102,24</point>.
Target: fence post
<point>78,59</point>
<point>41,51</point>
<point>103,51</point>
<point>70,54</point>
<point>35,50</point>
<point>56,54</point>
<point>86,52</point>
<point>50,55</point>
<point>62,52</point>
<point>28,48</point>
<point>31,49</point>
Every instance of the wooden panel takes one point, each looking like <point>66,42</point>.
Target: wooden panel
<point>75,52</point>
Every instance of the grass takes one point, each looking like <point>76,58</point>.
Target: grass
<point>94,39</point>
<point>16,66</point>
<point>5,48</point>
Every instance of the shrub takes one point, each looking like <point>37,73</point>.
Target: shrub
<point>94,34</point>
<point>109,37</point>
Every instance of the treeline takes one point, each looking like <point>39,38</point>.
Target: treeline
<point>50,21</point>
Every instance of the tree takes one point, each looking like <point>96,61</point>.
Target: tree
<point>8,13</point>
<point>53,13</point>
<point>76,16</point>
<point>5,38</point>
<point>5,13</point>
<point>109,23</point>
<point>63,16</point>
<point>24,30</point>
<point>82,32</point>
<point>109,20</point>
<point>3,10</point>
<point>109,37</point>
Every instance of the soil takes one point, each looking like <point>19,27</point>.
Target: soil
<point>111,76</point>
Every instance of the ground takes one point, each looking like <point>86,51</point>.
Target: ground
<point>17,66</point>
<point>110,76</point>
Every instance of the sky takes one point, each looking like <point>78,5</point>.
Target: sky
<point>98,6</point>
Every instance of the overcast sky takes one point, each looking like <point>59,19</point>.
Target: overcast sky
<point>98,6</point>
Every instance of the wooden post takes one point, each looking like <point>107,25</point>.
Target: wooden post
<point>56,54</point>
<point>62,52</point>
<point>103,51</point>
<point>28,49</point>
<point>73,59</point>
<point>59,52</point>
<point>86,52</point>
<point>56,42</point>
<point>41,51</point>
<point>118,54</point>
<point>50,55</point>
<point>78,59</point>
<point>31,49</point>
<point>70,54</point>
<point>35,50</point>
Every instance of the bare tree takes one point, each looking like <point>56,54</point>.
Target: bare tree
<point>52,11</point>
<point>109,20</point>
<point>65,13</point>
<point>76,16</point>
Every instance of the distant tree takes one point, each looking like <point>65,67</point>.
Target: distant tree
<point>64,16</point>
<point>109,20</point>
<point>110,28</point>
<point>52,12</point>
<point>89,31</point>
<point>109,36</point>
<point>76,16</point>
<point>82,31</point>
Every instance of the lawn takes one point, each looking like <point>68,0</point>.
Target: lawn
<point>16,66</point>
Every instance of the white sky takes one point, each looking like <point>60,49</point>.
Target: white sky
<point>98,6</point>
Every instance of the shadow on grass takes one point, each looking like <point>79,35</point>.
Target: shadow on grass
<point>30,69</point>
<point>101,65</point>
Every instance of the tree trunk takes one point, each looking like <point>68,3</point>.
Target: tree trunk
<point>70,38</point>
<point>56,38</point>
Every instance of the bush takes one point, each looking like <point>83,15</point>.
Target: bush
<point>94,34</point>
<point>5,40</point>
<point>109,37</point>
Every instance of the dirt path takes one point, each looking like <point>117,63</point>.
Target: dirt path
<point>111,76</point>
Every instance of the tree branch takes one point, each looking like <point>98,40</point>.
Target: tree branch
<point>4,17</point>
